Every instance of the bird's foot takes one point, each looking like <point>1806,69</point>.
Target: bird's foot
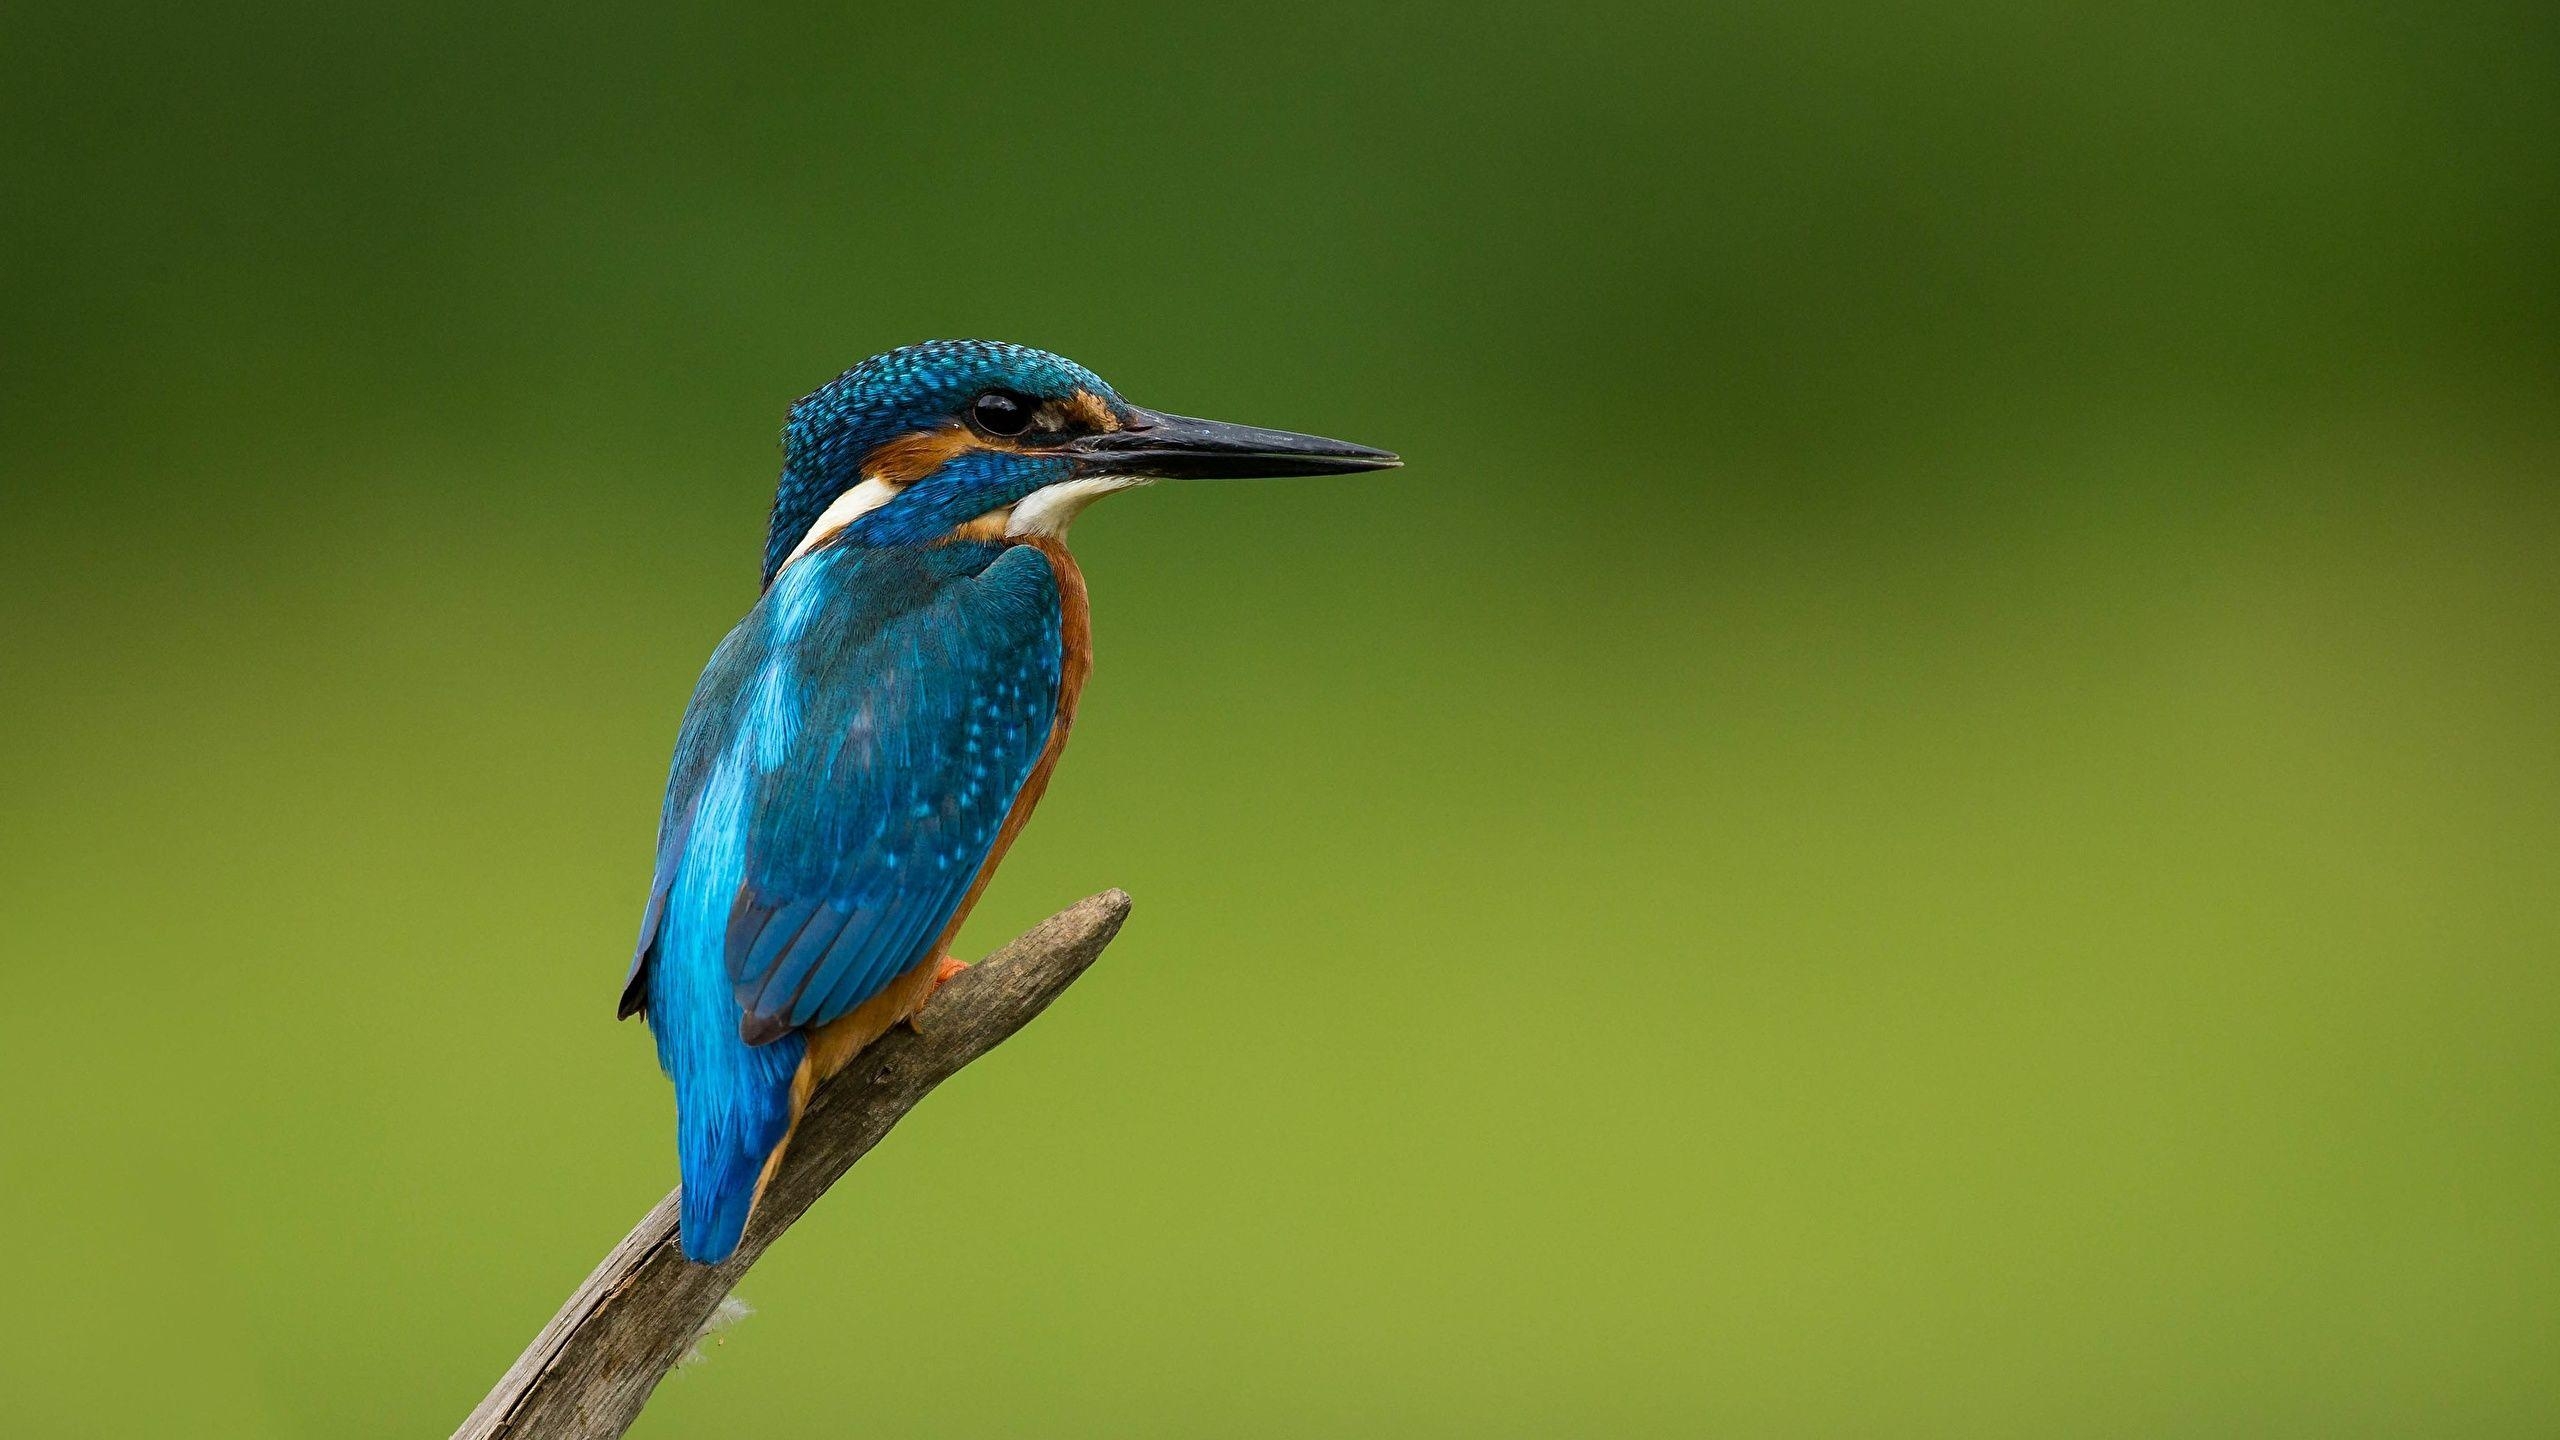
<point>946,968</point>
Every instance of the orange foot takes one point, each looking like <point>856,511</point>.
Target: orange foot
<point>942,974</point>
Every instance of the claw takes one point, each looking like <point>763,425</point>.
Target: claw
<point>942,974</point>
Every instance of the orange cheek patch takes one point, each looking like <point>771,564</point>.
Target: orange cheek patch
<point>1088,411</point>
<point>910,458</point>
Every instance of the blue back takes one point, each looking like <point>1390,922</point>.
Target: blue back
<point>842,772</point>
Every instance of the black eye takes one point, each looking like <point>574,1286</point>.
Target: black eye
<point>1001,412</point>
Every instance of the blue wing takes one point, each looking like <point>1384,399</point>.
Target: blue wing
<point>868,726</point>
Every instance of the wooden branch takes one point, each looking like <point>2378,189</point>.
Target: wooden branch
<point>587,1374</point>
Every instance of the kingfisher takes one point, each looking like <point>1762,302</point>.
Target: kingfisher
<point>863,748</point>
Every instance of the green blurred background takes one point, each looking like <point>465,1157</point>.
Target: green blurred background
<point>1930,810</point>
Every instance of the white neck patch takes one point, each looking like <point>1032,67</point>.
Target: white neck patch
<point>850,506</point>
<point>1049,509</point>
<point>1045,511</point>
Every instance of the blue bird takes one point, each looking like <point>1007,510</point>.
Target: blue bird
<point>865,745</point>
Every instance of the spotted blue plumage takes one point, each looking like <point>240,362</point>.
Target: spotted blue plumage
<point>858,743</point>
<point>841,775</point>
<point>898,393</point>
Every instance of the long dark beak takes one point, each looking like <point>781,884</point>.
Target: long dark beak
<point>1177,447</point>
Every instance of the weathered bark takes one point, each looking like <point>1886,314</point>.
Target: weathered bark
<point>591,1369</point>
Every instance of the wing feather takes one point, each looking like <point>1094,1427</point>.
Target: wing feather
<point>885,708</point>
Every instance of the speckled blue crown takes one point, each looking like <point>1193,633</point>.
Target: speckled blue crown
<point>912,388</point>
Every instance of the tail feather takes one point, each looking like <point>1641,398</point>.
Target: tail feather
<point>721,1179</point>
<point>729,1122</point>
<point>733,1100</point>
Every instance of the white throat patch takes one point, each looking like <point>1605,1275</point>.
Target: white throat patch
<point>1045,511</point>
<point>850,506</point>
<point>1049,509</point>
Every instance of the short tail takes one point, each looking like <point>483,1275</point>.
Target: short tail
<point>733,1103</point>
<point>722,1148</point>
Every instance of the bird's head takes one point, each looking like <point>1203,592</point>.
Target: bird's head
<point>982,438</point>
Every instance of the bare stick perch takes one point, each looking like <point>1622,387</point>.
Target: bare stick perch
<point>587,1374</point>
